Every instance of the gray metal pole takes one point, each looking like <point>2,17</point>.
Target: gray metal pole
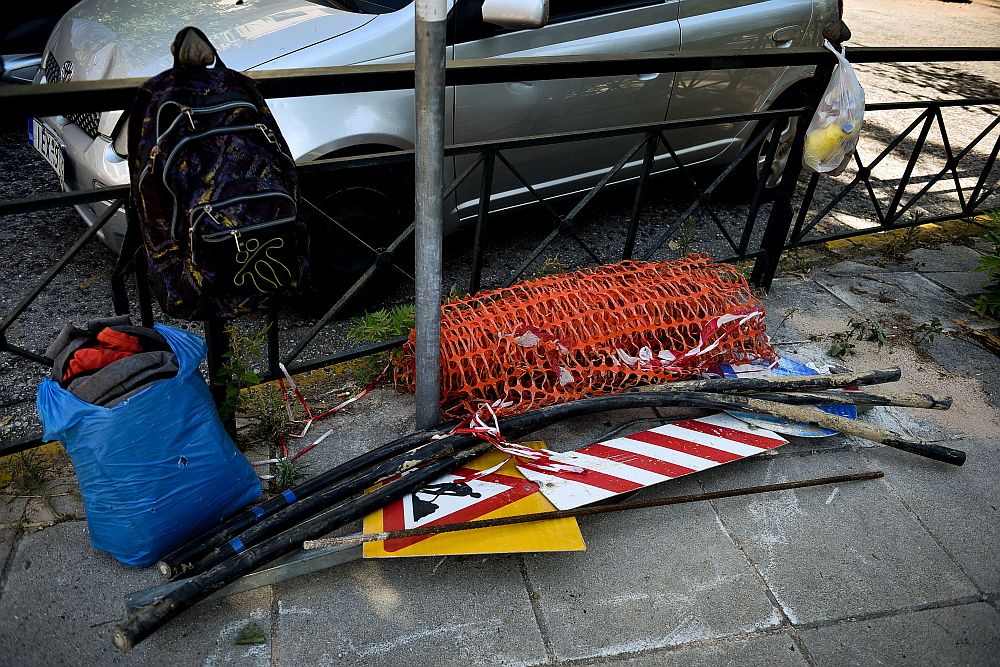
<point>429,58</point>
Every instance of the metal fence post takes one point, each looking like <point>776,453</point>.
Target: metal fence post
<point>219,344</point>
<point>429,60</point>
<point>780,220</point>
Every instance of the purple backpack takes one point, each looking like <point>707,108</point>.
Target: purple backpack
<point>214,192</point>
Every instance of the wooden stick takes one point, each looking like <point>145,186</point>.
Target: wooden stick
<point>837,397</point>
<point>583,511</point>
<point>788,383</point>
<point>810,415</point>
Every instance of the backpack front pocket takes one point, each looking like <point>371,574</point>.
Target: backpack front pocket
<point>244,242</point>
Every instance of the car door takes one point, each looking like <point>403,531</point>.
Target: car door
<point>519,109</point>
<point>722,25</point>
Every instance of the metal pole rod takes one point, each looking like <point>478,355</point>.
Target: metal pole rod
<point>429,60</point>
<point>350,540</point>
<point>780,219</point>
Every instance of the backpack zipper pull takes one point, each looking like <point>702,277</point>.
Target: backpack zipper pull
<point>190,116</point>
<point>153,153</point>
<point>207,210</point>
<point>268,134</point>
<point>236,239</point>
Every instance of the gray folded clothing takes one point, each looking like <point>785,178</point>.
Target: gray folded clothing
<point>120,379</point>
<point>123,378</point>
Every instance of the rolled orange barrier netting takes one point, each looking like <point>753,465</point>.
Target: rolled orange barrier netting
<point>593,332</point>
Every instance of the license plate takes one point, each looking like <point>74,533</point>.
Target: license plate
<point>47,145</point>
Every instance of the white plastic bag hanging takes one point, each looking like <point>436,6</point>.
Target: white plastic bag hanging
<point>834,131</point>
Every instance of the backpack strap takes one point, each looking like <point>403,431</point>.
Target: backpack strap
<point>132,260</point>
<point>126,263</point>
<point>127,258</point>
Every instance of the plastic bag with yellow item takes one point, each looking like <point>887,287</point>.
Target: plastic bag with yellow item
<point>835,128</point>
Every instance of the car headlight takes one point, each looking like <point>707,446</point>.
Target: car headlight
<point>119,137</point>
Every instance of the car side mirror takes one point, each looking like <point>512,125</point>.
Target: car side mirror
<point>516,14</point>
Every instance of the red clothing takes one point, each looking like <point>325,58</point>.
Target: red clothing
<point>110,346</point>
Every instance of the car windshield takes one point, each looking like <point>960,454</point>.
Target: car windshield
<point>365,6</point>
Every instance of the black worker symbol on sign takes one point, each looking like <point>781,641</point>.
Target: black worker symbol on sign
<point>423,508</point>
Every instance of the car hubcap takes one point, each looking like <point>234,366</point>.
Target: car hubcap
<point>777,167</point>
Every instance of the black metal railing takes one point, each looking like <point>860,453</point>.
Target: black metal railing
<point>761,239</point>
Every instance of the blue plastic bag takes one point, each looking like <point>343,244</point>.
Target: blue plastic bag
<point>156,470</point>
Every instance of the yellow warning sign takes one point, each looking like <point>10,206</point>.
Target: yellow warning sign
<point>467,494</point>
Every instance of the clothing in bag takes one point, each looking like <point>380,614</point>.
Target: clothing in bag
<point>835,128</point>
<point>214,190</point>
<point>108,360</point>
<point>157,468</point>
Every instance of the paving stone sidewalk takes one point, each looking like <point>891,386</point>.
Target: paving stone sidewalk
<point>899,571</point>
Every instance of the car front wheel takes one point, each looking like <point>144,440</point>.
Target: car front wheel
<point>351,226</point>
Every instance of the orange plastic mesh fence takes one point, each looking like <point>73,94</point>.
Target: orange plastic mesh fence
<point>591,332</point>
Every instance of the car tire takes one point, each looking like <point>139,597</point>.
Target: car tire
<point>350,227</point>
<point>742,183</point>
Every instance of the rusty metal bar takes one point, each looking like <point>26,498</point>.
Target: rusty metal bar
<point>587,511</point>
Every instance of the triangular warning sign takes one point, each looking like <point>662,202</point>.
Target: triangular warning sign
<point>488,487</point>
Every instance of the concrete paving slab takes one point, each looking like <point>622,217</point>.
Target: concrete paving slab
<point>12,508</point>
<point>798,308</point>
<point>946,257</point>
<point>950,366</point>
<point>959,506</point>
<point>410,611</point>
<point>958,355</point>
<point>830,553</point>
<point>61,598</point>
<point>65,502</point>
<point>773,650</point>
<point>966,284</point>
<point>649,579</point>
<point>959,635</point>
<point>381,416</point>
<point>905,298</point>
<point>11,512</point>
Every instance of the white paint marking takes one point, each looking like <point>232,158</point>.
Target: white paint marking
<point>836,490</point>
<point>403,640</point>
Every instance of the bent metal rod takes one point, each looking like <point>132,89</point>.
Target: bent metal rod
<point>585,511</point>
<point>317,557</point>
<point>182,561</point>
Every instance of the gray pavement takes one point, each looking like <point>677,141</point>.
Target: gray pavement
<point>899,571</point>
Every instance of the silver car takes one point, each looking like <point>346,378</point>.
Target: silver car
<point>105,39</point>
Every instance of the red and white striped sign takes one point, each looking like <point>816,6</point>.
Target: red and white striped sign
<point>642,459</point>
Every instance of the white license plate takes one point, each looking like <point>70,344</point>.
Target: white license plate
<point>47,144</point>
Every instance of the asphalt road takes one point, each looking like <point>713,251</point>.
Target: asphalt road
<point>30,243</point>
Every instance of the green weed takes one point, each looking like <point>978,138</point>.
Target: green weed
<point>688,231</point>
<point>901,245</point>
<point>375,327</point>
<point>988,303</point>
<point>927,331</point>
<point>551,266</point>
<point>236,372</point>
<point>288,473</point>
<point>842,344</point>
<point>456,293</point>
<point>265,410</point>
<point>27,473</point>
